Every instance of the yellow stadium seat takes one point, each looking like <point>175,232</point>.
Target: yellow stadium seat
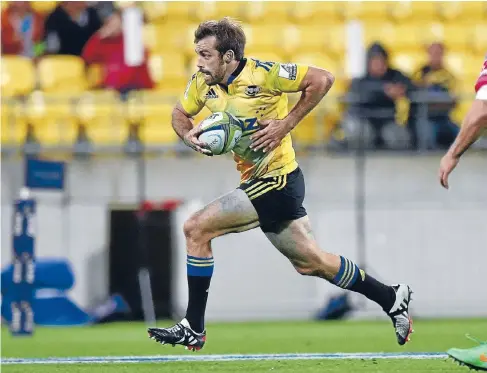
<point>480,39</point>
<point>263,38</point>
<point>315,12</point>
<point>365,10</point>
<point>173,11</point>
<point>383,32</point>
<point>405,11</point>
<point>62,74</point>
<point>458,38</point>
<point>44,7</point>
<point>155,11</point>
<point>233,9</point>
<point>261,12</point>
<point>408,63</point>
<point>94,76</point>
<point>461,110</point>
<point>457,63</point>
<point>168,72</point>
<point>303,39</point>
<point>320,60</point>
<point>167,37</point>
<point>18,76</point>
<point>13,122</point>
<point>153,114</point>
<point>269,57</point>
<point>335,37</point>
<point>102,114</point>
<point>462,11</point>
<point>53,116</point>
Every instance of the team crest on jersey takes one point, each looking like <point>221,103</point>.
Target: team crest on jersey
<point>288,71</point>
<point>252,90</point>
<point>211,94</point>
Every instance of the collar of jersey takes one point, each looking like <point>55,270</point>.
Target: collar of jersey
<point>235,73</point>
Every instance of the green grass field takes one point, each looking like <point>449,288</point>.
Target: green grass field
<point>130,339</point>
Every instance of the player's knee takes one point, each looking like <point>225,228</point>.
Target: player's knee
<point>193,229</point>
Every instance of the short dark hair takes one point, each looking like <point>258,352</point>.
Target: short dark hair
<point>228,33</point>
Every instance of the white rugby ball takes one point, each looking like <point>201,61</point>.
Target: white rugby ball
<point>221,131</point>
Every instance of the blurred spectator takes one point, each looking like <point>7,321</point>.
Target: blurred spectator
<point>22,30</point>
<point>372,99</point>
<point>69,27</point>
<point>436,83</point>
<point>106,48</point>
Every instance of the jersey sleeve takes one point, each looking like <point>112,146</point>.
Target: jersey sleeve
<point>191,100</point>
<point>481,85</point>
<point>286,77</point>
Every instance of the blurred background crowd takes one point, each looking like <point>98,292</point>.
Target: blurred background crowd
<point>404,71</point>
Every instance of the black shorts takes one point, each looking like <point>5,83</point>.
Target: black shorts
<point>277,199</point>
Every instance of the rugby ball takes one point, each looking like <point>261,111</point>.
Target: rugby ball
<point>221,131</point>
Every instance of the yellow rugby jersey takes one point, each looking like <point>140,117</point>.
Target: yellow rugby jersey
<point>255,90</point>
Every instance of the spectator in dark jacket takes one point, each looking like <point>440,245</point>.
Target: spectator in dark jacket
<point>437,83</point>
<point>372,99</point>
<point>69,27</point>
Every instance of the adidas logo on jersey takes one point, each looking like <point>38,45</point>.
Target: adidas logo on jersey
<point>211,94</point>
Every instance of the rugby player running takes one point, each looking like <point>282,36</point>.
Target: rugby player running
<point>271,192</point>
<point>473,125</point>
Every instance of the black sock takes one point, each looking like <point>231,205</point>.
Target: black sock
<point>352,278</point>
<point>200,271</point>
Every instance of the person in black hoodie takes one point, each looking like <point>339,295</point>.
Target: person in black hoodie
<point>372,104</point>
<point>71,24</point>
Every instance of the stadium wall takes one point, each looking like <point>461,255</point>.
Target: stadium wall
<point>415,231</point>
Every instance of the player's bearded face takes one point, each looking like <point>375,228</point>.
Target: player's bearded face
<point>210,61</point>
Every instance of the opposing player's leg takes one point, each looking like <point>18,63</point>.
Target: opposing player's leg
<point>474,358</point>
<point>231,213</point>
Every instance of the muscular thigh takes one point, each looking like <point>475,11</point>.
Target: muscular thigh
<point>230,213</point>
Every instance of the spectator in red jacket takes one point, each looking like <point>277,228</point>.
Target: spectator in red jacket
<point>106,48</point>
<point>22,30</point>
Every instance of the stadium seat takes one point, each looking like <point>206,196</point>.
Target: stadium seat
<point>101,112</point>
<point>18,76</point>
<point>264,37</point>
<point>62,74</point>
<point>303,39</point>
<point>44,7</point>
<point>153,114</point>
<point>155,11</point>
<point>407,63</point>
<point>222,9</point>
<point>13,124</point>
<point>53,116</point>
<point>314,12</point>
<point>383,32</point>
<point>458,38</point>
<point>170,36</point>
<point>262,12</point>
<point>480,39</point>
<point>94,76</point>
<point>457,63</point>
<point>365,10</point>
<point>320,60</point>
<point>168,72</point>
<point>405,11</point>
<point>462,11</point>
